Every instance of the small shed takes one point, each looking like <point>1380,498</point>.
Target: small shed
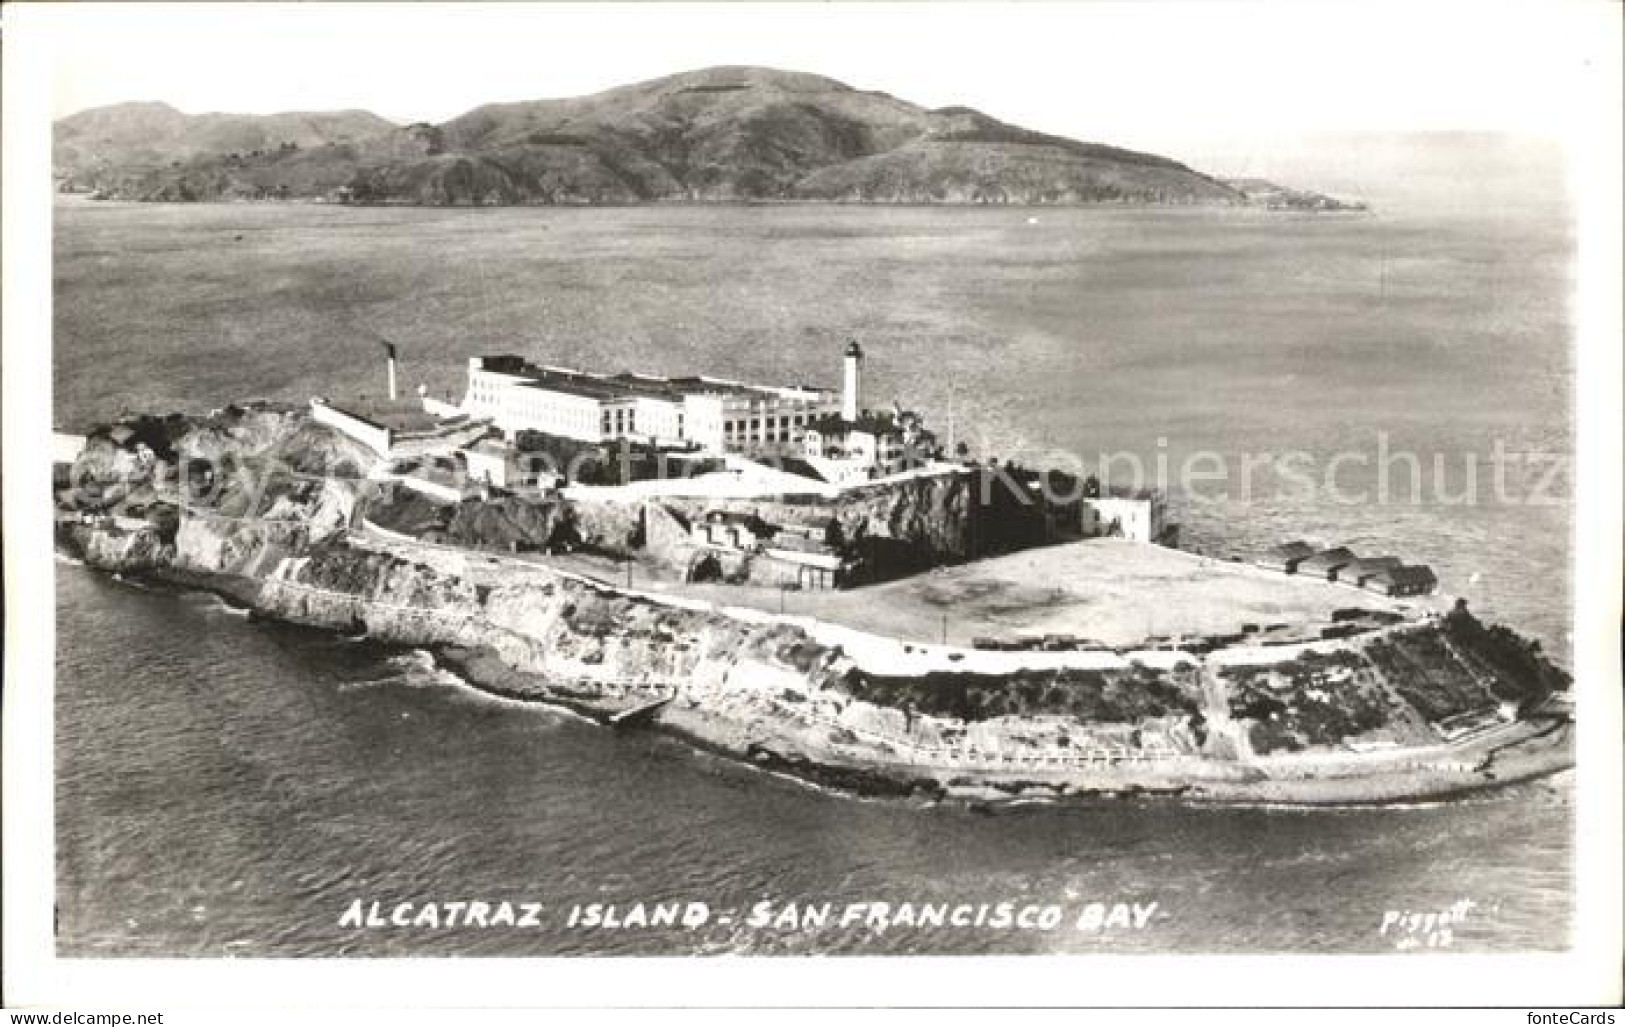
<point>808,571</point>
<point>1367,567</point>
<point>1286,557</point>
<point>489,461</point>
<point>1411,580</point>
<point>1327,563</point>
<point>730,529</point>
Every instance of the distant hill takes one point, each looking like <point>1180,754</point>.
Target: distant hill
<point>132,147</point>
<point>728,134</point>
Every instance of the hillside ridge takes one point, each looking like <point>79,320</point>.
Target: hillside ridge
<point>726,134</point>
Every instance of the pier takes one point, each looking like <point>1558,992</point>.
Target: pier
<point>638,716</point>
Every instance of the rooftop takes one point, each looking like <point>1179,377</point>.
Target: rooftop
<point>592,386</point>
<point>868,421</point>
<point>1143,495</point>
<point>625,384</point>
<point>744,517</point>
<point>1366,564</point>
<point>400,415</point>
<point>699,385</point>
<point>1408,575</point>
<point>1327,559</point>
<point>491,447</point>
<point>1293,550</point>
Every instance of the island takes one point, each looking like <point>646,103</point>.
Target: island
<point>785,576</point>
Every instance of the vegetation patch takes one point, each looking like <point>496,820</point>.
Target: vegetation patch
<point>1517,668</point>
<point>1315,700</point>
<point>1093,696</point>
<point>399,509</point>
<point>1423,670</point>
<point>557,139</point>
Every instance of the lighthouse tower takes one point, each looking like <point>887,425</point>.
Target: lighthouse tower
<point>850,402</point>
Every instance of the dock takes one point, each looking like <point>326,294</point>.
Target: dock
<point>638,716</point>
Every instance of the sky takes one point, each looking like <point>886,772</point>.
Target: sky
<point>1265,88</point>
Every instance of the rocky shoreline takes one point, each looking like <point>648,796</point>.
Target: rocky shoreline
<point>1540,753</point>
<point>1420,710</point>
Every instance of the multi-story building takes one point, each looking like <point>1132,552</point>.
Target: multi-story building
<point>827,429</point>
<point>869,441</point>
<point>709,413</point>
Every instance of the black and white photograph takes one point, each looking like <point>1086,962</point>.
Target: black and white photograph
<point>1056,481</point>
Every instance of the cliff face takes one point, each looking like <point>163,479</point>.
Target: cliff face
<point>905,526</point>
<point>915,524</point>
<point>117,550</point>
<point>226,493</point>
<point>764,685</point>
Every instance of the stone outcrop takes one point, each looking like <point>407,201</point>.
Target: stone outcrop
<point>897,528</point>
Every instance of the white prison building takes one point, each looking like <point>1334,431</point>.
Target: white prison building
<point>712,413</point>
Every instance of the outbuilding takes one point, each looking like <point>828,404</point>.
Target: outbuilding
<point>489,461</point>
<point>1327,563</point>
<point>1367,567</point>
<point>807,571</point>
<point>1286,557</point>
<point>1139,515</point>
<point>1413,580</point>
<point>730,529</point>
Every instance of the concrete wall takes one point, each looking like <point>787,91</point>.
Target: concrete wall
<point>702,422</point>
<point>373,436</point>
<point>422,486</point>
<point>657,419</point>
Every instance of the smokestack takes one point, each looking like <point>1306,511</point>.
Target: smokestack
<point>850,400</point>
<point>389,349</point>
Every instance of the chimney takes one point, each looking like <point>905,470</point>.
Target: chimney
<point>850,400</point>
<point>389,348</point>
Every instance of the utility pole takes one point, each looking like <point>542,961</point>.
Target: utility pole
<point>944,629</point>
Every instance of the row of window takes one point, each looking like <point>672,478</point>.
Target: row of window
<point>622,421</point>
<point>625,422</point>
<point>781,423</point>
<point>546,415</point>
